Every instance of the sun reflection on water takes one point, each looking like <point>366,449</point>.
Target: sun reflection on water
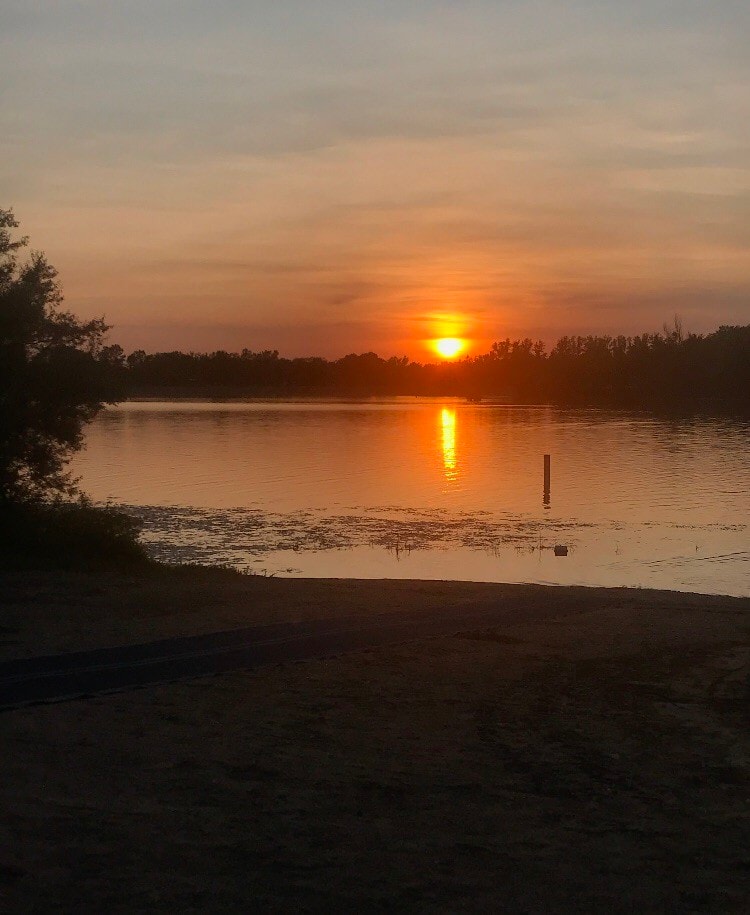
<point>448,430</point>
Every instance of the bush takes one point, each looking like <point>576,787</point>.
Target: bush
<point>69,535</point>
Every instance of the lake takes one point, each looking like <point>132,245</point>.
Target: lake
<point>419,488</point>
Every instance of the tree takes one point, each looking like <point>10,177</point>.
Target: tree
<point>56,373</point>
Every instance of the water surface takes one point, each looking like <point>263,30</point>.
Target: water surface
<point>418,488</point>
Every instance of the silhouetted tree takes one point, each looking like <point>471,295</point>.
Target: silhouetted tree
<point>671,368</point>
<point>55,375</point>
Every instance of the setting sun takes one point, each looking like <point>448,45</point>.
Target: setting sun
<point>448,347</point>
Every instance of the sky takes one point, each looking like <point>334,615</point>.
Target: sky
<point>351,175</point>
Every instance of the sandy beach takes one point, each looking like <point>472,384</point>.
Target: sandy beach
<point>592,754</point>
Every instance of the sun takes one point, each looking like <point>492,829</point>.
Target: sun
<point>449,347</point>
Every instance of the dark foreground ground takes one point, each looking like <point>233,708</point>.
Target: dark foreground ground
<point>590,754</point>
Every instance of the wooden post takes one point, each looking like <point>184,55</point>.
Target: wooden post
<point>546,478</point>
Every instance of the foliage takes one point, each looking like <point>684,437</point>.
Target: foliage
<point>56,373</point>
<point>69,534</point>
<point>652,370</point>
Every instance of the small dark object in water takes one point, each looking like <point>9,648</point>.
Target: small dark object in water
<point>561,550</point>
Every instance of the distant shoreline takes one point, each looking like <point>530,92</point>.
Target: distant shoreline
<point>669,368</point>
<point>239,393</point>
<point>695,407</point>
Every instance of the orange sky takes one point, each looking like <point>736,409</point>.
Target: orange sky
<point>350,177</point>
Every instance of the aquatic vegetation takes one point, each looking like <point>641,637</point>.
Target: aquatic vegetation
<point>241,536</point>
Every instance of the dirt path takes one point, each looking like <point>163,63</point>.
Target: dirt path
<point>57,678</point>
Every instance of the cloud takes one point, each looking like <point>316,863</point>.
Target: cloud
<point>275,165</point>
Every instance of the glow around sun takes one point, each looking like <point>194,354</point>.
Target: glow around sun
<point>449,347</point>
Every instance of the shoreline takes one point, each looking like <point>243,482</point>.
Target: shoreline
<point>51,612</point>
<point>687,409</point>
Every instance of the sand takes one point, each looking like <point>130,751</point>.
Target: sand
<point>591,755</point>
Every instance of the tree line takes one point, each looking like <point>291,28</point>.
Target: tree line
<point>669,367</point>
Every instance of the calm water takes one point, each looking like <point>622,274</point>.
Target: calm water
<point>412,488</point>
